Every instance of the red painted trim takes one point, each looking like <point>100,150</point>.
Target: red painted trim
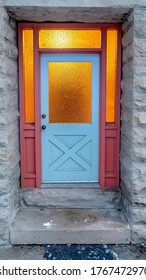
<point>21,102</point>
<point>37,111</point>
<point>70,25</point>
<point>118,102</point>
<point>27,130</point>
<point>70,50</point>
<point>102,111</point>
<point>112,179</point>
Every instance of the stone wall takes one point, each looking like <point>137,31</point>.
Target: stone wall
<point>133,105</point>
<point>9,143</point>
<point>133,128</point>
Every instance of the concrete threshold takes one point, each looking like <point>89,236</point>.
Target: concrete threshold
<point>70,226</point>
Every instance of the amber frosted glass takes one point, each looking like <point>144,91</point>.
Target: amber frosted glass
<point>70,38</point>
<point>28,64</point>
<point>70,89</point>
<point>111,70</point>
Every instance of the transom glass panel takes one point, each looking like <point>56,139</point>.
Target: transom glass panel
<point>63,38</point>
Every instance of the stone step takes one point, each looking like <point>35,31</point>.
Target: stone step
<point>69,226</point>
<point>70,196</point>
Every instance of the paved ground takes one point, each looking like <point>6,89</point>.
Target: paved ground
<point>121,252</point>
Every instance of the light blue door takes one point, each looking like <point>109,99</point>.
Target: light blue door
<point>70,117</point>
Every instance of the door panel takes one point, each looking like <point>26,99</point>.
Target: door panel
<point>70,101</point>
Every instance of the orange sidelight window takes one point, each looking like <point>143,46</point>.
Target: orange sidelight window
<point>111,72</point>
<point>28,70</point>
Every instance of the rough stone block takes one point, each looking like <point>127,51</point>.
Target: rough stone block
<point>128,37</point>
<point>128,53</point>
<point>4,14</point>
<point>6,186</point>
<point>140,29</point>
<point>140,15</point>
<point>70,197</point>
<point>128,69</point>
<point>139,66</point>
<point>127,116</point>
<point>139,47</point>
<point>5,214</point>
<point>138,234</point>
<point>7,32</point>
<point>128,22</point>
<point>138,215</point>
<point>3,117</point>
<point>7,66</point>
<point>140,82</point>
<point>8,49</point>
<point>4,235</point>
<point>139,135</point>
<point>139,100</point>
<point>127,84</point>
<point>8,82</point>
<point>139,196</point>
<point>62,226</point>
<point>142,118</point>
<point>12,116</point>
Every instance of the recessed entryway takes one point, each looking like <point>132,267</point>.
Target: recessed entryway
<point>69,101</point>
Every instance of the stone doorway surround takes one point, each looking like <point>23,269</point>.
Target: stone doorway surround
<point>132,15</point>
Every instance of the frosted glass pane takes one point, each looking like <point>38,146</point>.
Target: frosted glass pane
<point>111,70</point>
<point>28,68</point>
<point>70,38</point>
<point>70,92</point>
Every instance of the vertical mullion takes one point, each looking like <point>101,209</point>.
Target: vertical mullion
<point>37,109</point>
<point>117,104</point>
<point>102,110</point>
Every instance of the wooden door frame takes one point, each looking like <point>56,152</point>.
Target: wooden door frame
<point>108,133</point>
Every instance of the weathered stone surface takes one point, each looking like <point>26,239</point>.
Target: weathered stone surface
<point>7,32</point>
<point>68,3</point>
<point>138,215</point>
<point>135,211</point>
<point>8,66</point>
<point>133,131</point>
<point>8,82</point>
<point>64,14</point>
<point>140,82</point>
<point>140,31</point>
<point>140,66</point>
<point>9,148</point>
<point>70,197</point>
<point>4,235</point>
<point>63,226</point>
<point>127,84</point>
<point>139,234</point>
<point>128,37</point>
<point>139,15</point>
<point>128,69</point>
<point>8,49</point>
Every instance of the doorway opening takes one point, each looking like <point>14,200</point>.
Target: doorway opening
<point>69,103</point>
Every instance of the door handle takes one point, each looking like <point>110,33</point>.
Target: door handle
<point>43,116</point>
<point>43,126</point>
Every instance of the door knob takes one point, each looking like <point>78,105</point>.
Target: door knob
<point>43,126</point>
<point>43,116</point>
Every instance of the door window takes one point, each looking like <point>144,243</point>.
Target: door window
<point>70,85</point>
